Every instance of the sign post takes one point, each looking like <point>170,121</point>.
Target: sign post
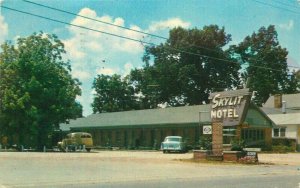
<point>227,109</point>
<point>217,138</point>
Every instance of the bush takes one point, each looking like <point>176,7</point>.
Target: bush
<point>283,145</point>
<point>205,143</point>
<point>282,149</point>
<point>284,141</point>
<point>237,145</point>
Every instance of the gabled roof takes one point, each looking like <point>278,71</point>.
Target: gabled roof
<point>292,101</point>
<point>174,115</point>
<point>286,119</point>
<point>269,111</point>
<point>257,117</point>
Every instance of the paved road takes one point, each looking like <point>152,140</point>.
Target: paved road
<point>214,182</point>
<point>137,169</point>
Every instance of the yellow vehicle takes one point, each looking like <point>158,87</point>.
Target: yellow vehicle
<point>74,141</point>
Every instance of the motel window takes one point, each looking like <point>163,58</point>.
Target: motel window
<point>279,132</point>
<point>229,133</point>
<point>102,137</point>
<point>253,136</point>
<point>118,138</point>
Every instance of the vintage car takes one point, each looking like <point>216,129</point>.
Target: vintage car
<point>173,143</point>
<point>78,140</point>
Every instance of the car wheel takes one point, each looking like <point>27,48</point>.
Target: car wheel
<point>88,149</point>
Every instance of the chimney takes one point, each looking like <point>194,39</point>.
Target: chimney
<point>277,101</point>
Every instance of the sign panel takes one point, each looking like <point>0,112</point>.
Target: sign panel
<point>252,155</point>
<point>207,129</point>
<point>230,107</point>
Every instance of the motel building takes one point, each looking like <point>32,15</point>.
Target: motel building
<point>146,129</point>
<point>284,111</point>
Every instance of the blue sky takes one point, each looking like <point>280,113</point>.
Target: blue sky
<point>93,53</point>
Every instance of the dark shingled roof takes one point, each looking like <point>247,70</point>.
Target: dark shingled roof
<point>161,116</point>
<point>186,115</point>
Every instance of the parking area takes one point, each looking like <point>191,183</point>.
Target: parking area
<point>34,169</point>
<point>136,155</point>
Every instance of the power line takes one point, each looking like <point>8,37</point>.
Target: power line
<point>115,35</point>
<point>103,22</point>
<point>285,4</point>
<point>278,7</point>
<point>122,27</point>
<point>131,39</point>
<point>96,20</point>
<point>82,27</point>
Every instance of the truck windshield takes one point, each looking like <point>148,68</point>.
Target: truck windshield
<point>173,139</point>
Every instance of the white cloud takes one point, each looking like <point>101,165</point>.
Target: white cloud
<point>287,26</point>
<point>292,63</point>
<point>127,68</point>
<point>106,71</point>
<point>92,52</point>
<point>74,51</point>
<point>95,39</point>
<point>85,41</point>
<point>81,75</point>
<point>93,92</point>
<point>168,24</point>
<point>87,49</point>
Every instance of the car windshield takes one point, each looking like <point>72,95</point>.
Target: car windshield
<point>172,139</point>
<point>86,136</point>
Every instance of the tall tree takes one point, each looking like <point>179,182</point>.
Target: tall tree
<point>188,67</point>
<point>37,90</point>
<point>146,87</point>
<point>297,77</point>
<point>266,64</point>
<point>112,94</point>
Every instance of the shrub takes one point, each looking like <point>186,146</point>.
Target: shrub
<point>284,145</point>
<point>237,145</point>
<point>282,149</point>
<point>205,143</point>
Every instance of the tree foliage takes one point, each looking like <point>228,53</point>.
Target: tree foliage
<point>187,67</point>
<point>266,64</point>
<point>193,63</point>
<point>112,94</point>
<point>37,91</point>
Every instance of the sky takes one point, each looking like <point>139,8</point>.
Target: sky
<point>92,52</point>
